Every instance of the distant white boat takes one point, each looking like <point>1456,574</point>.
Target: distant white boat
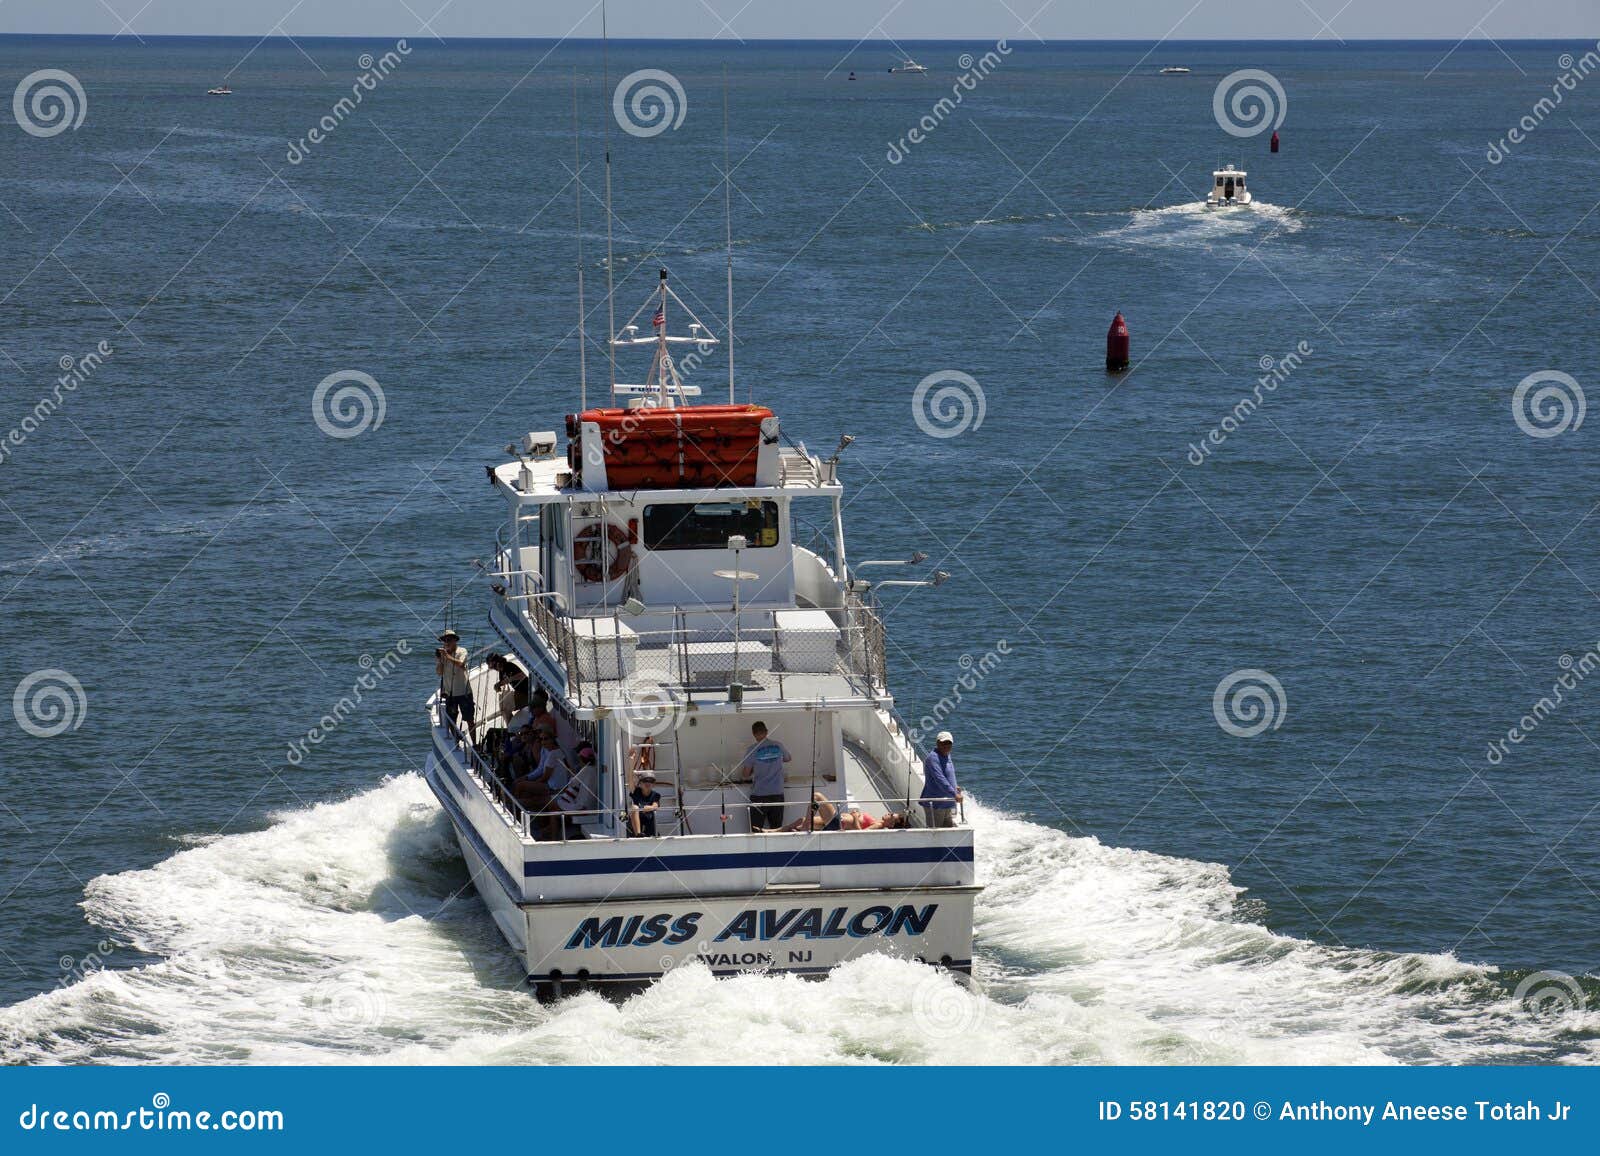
<point>908,65</point>
<point>1227,189</point>
<point>1175,70</point>
<point>222,90</point>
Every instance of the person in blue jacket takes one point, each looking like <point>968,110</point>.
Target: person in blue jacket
<point>940,794</point>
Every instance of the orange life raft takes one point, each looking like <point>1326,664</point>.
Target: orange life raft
<point>674,447</point>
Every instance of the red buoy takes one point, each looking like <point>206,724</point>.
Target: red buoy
<point>1274,140</point>
<point>1117,345</point>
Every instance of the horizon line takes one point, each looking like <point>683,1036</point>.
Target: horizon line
<point>1342,42</point>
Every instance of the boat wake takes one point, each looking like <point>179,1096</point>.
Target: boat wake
<point>347,932</point>
<point>1194,223</point>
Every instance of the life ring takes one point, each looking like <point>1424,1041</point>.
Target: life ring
<point>601,556</point>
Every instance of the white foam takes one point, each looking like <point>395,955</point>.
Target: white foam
<point>1193,224</point>
<point>339,934</point>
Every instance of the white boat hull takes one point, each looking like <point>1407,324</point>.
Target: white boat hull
<point>602,913</point>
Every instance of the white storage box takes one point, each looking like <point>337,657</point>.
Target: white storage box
<point>607,649</point>
<point>715,659</point>
<point>808,641</point>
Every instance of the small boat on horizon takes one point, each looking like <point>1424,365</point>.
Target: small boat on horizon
<point>1175,70</point>
<point>220,90</point>
<point>908,65</point>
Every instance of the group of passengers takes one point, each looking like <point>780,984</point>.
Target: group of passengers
<point>521,741</point>
<point>761,767</point>
<point>523,744</point>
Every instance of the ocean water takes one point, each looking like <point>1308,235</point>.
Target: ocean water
<point>1365,880</point>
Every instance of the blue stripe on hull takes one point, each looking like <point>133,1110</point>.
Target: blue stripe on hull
<point>713,862</point>
<point>963,966</point>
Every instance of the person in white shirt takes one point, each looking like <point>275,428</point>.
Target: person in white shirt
<point>450,663</point>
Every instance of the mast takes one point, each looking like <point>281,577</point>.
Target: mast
<point>727,218</point>
<point>577,179</point>
<point>663,358</point>
<point>611,307</point>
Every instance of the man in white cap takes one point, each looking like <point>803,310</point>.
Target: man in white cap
<point>450,663</point>
<point>939,791</point>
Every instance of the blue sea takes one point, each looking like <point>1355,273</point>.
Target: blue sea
<point>1268,608</point>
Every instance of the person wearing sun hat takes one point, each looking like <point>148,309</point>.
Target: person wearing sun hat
<point>450,663</point>
<point>940,794</point>
<point>643,803</point>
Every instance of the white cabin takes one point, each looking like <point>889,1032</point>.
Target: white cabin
<point>1228,188</point>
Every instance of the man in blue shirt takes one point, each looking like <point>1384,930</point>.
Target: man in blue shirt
<point>764,761</point>
<point>939,791</point>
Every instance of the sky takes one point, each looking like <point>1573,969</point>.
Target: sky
<point>735,20</point>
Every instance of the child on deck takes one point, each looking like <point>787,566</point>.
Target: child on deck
<point>643,803</point>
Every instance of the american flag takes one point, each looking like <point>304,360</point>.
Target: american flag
<point>660,318</point>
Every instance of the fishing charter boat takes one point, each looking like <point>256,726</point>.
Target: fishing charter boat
<point>908,65</point>
<point>220,90</point>
<point>1175,70</point>
<point>1227,189</point>
<point>660,578</point>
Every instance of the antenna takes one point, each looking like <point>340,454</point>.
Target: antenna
<point>727,216</point>
<point>611,306</point>
<point>577,179</point>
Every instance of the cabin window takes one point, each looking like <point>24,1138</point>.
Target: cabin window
<point>709,525</point>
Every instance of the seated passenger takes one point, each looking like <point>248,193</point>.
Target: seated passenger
<point>540,706</point>
<point>536,789</point>
<point>643,803</point>
<point>521,744</point>
<point>576,796</point>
